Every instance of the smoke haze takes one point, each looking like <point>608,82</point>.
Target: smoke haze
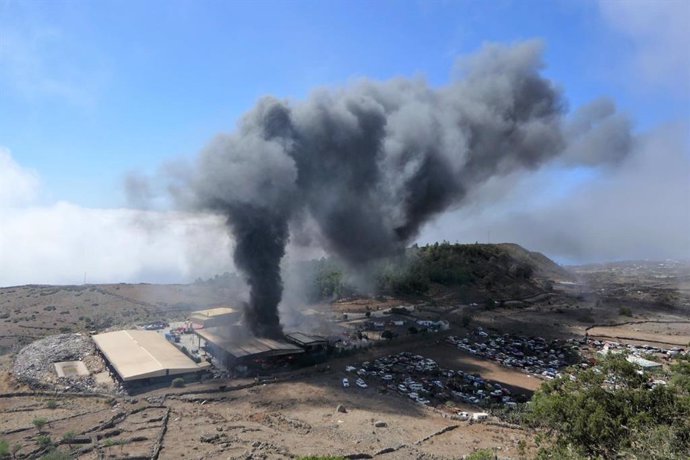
<point>373,162</point>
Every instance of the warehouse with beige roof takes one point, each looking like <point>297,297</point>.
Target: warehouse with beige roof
<point>144,356</point>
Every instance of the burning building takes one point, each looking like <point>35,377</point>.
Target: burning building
<point>231,347</point>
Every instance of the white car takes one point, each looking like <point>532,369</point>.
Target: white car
<point>463,415</point>
<point>346,383</point>
<point>360,383</point>
<point>350,369</point>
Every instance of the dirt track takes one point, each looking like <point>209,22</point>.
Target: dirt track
<point>671,333</point>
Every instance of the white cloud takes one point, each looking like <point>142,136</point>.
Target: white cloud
<point>60,243</point>
<point>18,185</point>
<point>659,31</point>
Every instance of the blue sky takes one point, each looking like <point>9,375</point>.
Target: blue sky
<point>92,90</point>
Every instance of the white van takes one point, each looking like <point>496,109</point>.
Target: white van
<point>480,416</point>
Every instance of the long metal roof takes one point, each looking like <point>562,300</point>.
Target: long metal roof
<point>304,339</point>
<point>241,346</point>
<point>143,354</point>
<point>214,312</point>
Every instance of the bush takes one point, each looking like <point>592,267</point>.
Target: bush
<point>609,411</point>
<point>481,454</point>
<point>625,311</point>
<point>57,455</point>
<point>4,448</point>
<point>52,404</point>
<point>44,441</point>
<point>68,438</point>
<point>177,383</point>
<point>39,423</point>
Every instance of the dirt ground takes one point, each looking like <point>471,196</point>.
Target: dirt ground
<point>297,416</point>
<point>290,419</point>
<point>300,418</point>
<point>676,333</point>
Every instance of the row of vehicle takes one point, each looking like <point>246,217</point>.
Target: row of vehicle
<point>359,382</point>
<point>532,354</point>
<point>424,381</point>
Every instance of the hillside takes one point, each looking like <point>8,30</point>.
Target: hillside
<point>34,311</point>
<point>464,271</point>
<point>441,272</point>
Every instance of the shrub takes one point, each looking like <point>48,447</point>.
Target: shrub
<point>4,448</point>
<point>625,311</point>
<point>481,454</point>
<point>68,438</point>
<point>39,423</point>
<point>177,383</point>
<point>44,441</point>
<point>591,417</point>
<point>57,455</point>
<point>52,404</point>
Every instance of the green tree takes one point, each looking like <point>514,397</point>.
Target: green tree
<point>481,454</point>
<point>68,438</point>
<point>605,411</point>
<point>44,441</point>
<point>39,423</point>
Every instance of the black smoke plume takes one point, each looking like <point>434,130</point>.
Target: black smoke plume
<point>372,162</point>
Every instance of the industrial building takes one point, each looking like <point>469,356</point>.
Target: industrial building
<point>231,347</point>
<point>310,343</point>
<point>144,356</point>
<point>213,317</point>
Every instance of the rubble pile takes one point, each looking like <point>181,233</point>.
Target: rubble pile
<point>34,364</point>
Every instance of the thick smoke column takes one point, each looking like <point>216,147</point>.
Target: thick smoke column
<point>373,162</point>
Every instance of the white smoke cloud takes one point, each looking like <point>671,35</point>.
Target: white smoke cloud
<point>62,243</point>
<point>659,32</point>
<point>640,210</point>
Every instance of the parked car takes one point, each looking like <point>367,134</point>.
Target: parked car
<point>346,383</point>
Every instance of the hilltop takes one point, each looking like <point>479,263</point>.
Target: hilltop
<point>445,271</point>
